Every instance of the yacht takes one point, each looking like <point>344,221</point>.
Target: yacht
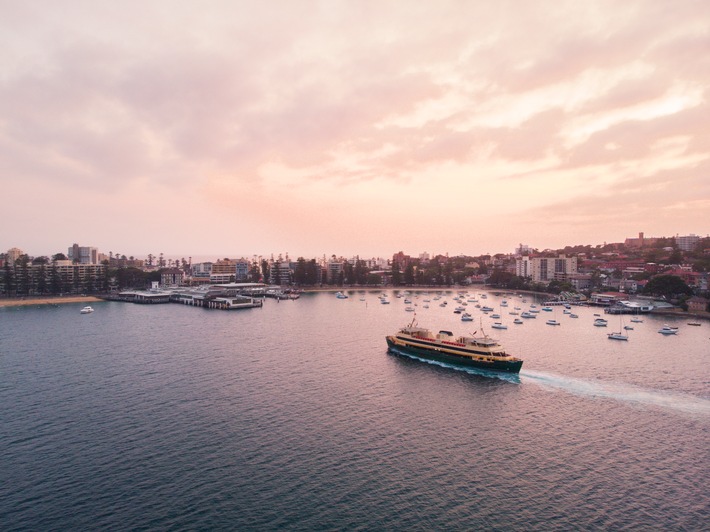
<point>668,330</point>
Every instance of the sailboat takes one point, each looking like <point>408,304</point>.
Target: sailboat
<point>618,335</point>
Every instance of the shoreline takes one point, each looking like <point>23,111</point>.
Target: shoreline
<point>62,300</point>
<point>51,300</point>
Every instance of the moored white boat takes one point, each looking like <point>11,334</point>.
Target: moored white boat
<point>86,310</point>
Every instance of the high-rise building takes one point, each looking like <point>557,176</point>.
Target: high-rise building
<point>83,254</point>
<point>13,254</point>
<point>546,269</point>
<point>687,243</point>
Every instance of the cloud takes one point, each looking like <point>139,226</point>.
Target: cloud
<point>99,99</point>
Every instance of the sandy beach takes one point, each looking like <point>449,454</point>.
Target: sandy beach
<point>21,302</point>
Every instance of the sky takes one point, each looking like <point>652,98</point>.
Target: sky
<point>238,128</point>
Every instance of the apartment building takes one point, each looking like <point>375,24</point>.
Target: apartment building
<point>546,269</point>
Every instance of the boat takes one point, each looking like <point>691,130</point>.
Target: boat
<point>600,322</point>
<point>617,336</point>
<point>636,320</point>
<point>517,321</point>
<point>340,295</point>
<point>527,315</point>
<point>628,328</point>
<point>552,322</point>
<point>86,310</point>
<point>487,309</point>
<point>668,330</point>
<point>498,325</point>
<point>409,309</point>
<point>547,309</point>
<point>694,323</point>
<point>481,352</point>
<point>466,317</point>
<point>385,301</point>
<point>573,315</point>
<point>495,316</point>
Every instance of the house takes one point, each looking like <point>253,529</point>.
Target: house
<point>698,304</point>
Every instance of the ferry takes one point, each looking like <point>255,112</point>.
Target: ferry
<point>480,352</point>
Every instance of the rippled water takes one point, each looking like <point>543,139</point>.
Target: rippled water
<point>294,416</point>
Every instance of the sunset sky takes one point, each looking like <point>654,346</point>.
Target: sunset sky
<point>234,128</point>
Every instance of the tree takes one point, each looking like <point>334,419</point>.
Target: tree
<point>676,257</point>
<point>254,272</point>
<point>668,286</point>
<point>265,270</point>
<point>299,274</point>
<point>8,278</point>
<point>42,279</point>
<point>22,273</point>
<point>409,274</point>
<point>55,280</point>
<point>396,275</point>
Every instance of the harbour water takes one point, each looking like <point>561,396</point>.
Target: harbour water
<point>294,416</point>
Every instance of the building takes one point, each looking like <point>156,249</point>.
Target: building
<point>335,269</point>
<point>687,243</point>
<point>58,277</point>
<point>401,260</point>
<point>522,249</point>
<point>580,281</point>
<point>640,242</point>
<point>13,254</point>
<point>202,270</point>
<point>171,277</point>
<point>546,269</point>
<point>281,273</point>
<point>83,254</point>
<point>698,304</point>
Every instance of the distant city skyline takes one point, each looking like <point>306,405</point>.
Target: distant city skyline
<point>686,243</point>
<point>351,127</point>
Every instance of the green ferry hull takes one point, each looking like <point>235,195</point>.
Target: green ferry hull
<point>463,361</point>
